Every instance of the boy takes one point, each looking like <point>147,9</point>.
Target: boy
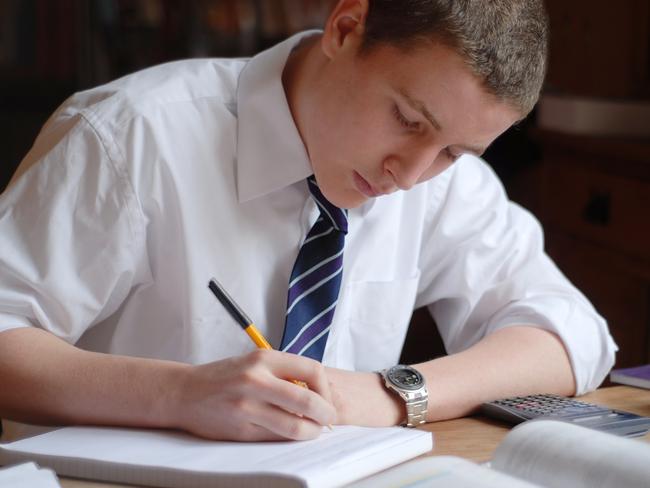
<point>136,193</point>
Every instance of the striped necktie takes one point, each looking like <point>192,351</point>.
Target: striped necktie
<point>315,280</point>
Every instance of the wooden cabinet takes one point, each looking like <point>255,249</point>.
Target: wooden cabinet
<point>595,208</point>
<point>600,48</point>
<point>593,193</point>
<point>601,207</point>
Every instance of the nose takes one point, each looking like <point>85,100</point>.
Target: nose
<point>407,169</point>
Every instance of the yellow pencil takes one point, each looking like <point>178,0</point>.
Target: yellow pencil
<point>242,319</point>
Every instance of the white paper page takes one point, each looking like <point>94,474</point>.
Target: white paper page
<point>441,472</point>
<point>28,475</point>
<point>331,454</point>
<point>559,454</point>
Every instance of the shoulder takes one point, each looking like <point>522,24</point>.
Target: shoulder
<point>161,113</point>
<point>471,174</point>
<point>161,89</point>
<point>468,183</point>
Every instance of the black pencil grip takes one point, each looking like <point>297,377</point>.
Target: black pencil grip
<point>229,304</point>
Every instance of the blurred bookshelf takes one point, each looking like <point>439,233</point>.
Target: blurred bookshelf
<point>50,49</point>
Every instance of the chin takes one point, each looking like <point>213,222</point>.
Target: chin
<point>349,199</point>
<point>339,192</point>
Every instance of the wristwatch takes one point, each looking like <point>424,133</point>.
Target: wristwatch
<point>409,384</point>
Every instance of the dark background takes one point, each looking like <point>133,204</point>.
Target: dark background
<point>592,194</point>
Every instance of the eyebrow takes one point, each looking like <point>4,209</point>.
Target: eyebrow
<point>419,106</point>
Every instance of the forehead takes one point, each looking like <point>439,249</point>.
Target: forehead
<point>427,66</point>
<point>437,76</point>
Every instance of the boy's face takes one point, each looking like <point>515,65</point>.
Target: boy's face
<point>386,121</point>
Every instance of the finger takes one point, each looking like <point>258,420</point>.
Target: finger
<point>293,367</point>
<point>252,419</point>
<point>265,375</point>
<point>278,422</point>
<point>255,419</point>
<point>242,432</point>
<point>297,400</point>
<point>302,369</point>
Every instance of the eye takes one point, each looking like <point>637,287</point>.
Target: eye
<point>403,121</point>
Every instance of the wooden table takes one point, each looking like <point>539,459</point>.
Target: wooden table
<point>477,437</point>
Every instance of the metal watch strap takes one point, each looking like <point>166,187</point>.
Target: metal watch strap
<point>416,402</point>
<point>416,412</point>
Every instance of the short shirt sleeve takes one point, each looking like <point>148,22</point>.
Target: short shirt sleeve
<point>72,243</point>
<point>484,268</point>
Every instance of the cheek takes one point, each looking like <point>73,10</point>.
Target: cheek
<point>438,166</point>
<point>377,138</point>
<point>355,132</point>
<point>355,139</point>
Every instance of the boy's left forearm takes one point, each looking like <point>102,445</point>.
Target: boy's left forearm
<point>512,361</point>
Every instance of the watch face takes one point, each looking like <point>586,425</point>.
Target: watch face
<point>405,377</point>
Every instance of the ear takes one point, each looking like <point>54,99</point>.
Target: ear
<point>346,22</point>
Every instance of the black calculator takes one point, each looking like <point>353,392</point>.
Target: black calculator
<point>553,407</point>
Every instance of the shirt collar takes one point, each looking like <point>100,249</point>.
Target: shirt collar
<point>270,152</point>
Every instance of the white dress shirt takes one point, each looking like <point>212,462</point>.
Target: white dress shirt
<point>137,192</point>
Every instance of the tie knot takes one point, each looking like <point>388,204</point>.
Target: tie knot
<point>338,217</point>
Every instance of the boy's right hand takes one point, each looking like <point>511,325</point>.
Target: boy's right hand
<point>252,398</point>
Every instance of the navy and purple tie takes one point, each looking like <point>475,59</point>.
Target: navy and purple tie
<point>315,280</point>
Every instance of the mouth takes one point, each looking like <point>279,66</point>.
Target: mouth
<point>363,186</point>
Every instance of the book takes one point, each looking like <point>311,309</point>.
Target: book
<point>28,475</point>
<point>639,376</point>
<point>537,453</point>
<point>178,460</point>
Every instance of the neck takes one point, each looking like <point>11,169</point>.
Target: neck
<point>297,78</point>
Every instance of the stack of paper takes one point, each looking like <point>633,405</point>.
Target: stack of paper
<point>28,475</point>
<point>178,460</point>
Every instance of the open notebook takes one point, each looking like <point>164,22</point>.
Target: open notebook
<point>537,453</point>
<point>177,460</point>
